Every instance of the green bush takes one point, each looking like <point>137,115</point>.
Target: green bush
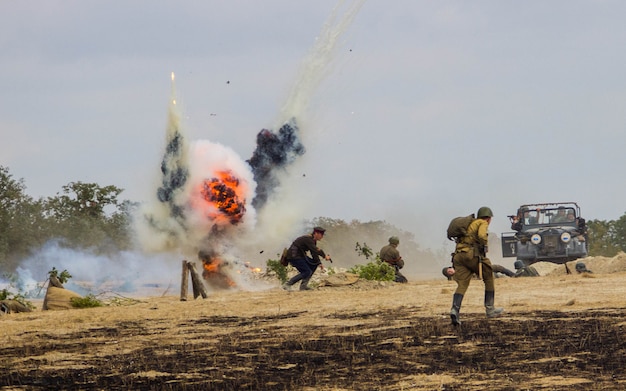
<point>63,277</point>
<point>88,301</point>
<point>375,271</point>
<point>280,270</point>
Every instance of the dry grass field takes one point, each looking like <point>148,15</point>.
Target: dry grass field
<point>559,332</point>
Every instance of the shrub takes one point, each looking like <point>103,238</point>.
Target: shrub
<point>63,277</point>
<point>280,270</point>
<point>375,271</point>
<point>88,301</point>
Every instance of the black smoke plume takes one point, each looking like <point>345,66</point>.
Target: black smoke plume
<point>273,153</point>
<point>174,173</point>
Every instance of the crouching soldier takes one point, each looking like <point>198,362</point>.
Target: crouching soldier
<point>521,270</point>
<point>391,255</point>
<point>306,266</point>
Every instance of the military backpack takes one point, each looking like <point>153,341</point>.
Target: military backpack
<point>283,258</point>
<point>457,228</point>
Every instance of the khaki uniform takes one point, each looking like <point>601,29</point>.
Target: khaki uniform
<point>391,255</point>
<point>469,253</point>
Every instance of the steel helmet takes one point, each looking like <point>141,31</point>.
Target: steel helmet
<point>580,266</point>
<point>484,212</point>
<point>518,264</point>
<point>394,240</point>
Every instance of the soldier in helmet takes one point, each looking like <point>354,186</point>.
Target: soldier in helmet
<point>391,255</point>
<point>582,268</point>
<point>521,270</point>
<point>470,256</point>
<point>448,272</point>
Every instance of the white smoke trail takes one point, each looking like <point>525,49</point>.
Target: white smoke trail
<point>282,215</point>
<point>317,64</point>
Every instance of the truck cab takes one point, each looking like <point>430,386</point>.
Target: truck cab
<point>550,232</point>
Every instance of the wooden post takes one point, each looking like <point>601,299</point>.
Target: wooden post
<point>196,282</point>
<point>184,284</point>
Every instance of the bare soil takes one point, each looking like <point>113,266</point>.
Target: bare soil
<point>559,332</point>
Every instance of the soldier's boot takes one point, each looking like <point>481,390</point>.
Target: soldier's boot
<point>490,310</point>
<point>457,299</point>
<point>287,286</point>
<point>304,285</point>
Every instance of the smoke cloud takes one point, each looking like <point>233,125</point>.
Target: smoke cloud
<point>209,202</point>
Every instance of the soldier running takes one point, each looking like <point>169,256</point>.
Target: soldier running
<point>470,256</point>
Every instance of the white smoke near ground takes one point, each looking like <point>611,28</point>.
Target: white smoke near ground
<point>125,272</point>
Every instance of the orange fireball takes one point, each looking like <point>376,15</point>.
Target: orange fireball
<point>225,194</point>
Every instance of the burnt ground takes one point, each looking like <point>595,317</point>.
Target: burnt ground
<point>390,349</point>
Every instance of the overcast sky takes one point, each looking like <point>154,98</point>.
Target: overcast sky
<point>431,109</point>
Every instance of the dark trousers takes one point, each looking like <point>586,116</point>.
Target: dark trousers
<point>305,267</point>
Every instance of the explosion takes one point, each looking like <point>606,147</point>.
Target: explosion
<point>223,193</point>
<point>208,197</point>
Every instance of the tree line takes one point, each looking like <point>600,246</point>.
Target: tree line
<point>82,215</point>
<point>607,238</point>
<point>92,217</point>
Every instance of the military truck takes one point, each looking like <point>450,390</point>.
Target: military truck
<point>550,232</point>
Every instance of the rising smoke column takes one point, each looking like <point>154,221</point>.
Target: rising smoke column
<point>276,151</point>
<point>163,221</point>
<point>174,166</point>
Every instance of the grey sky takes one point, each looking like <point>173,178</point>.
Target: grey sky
<point>432,108</point>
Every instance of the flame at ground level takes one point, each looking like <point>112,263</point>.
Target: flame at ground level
<point>213,272</point>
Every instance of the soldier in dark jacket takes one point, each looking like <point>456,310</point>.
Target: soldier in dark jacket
<point>391,255</point>
<point>298,257</point>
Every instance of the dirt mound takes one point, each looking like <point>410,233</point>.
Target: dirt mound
<point>598,265</point>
